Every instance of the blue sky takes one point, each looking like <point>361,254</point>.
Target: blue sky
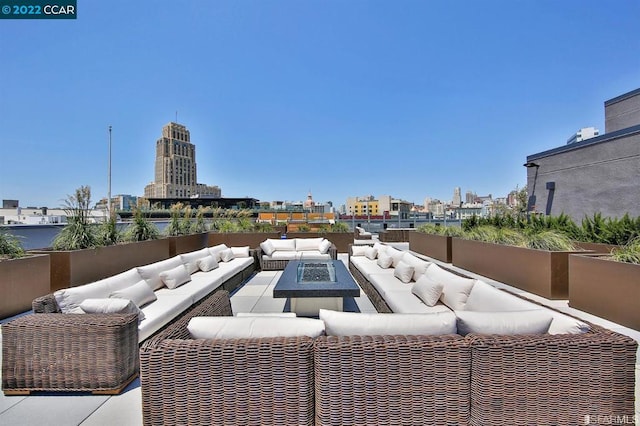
<point>343,98</point>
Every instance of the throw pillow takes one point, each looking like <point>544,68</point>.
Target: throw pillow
<point>190,259</point>
<point>358,250</point>
<point>396,255</point>
<point>384,261</point>
<point>456,288</point>
<point>250,327</point>
<point>267,247</point>
<point>174,278</point>
<point>240,251</point>
<point>403,272</point>
<point>427,290</point>
<point>207,263</point>
<point>216,250</point>
<point>140,293</point>
<point>324,246</point>
<point>111,306</point>
<point>506,323</point>
<point>226,255</point>
<point>363,324</point>
<point>371,253</point>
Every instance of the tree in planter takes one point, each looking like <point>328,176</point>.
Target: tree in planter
<point>108,233</point>
<point>263,227</point>
<point>78,233</point>
<point>141,229</point>
<point>175,226</point>
<point>10,247</point>
<point>200,225</point>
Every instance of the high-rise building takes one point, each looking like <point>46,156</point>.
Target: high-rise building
<point>175,168</point>
<point>457,196</point>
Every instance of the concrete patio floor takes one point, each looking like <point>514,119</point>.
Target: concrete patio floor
<point>254,296</point>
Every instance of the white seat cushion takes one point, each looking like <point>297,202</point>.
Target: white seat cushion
<point>361,324</point>
<point>388,282</point>
<point>162,311</point>
<point>201,284</point>
<point>253,327</point>
<point>405,302</point>
<point>506,323</point>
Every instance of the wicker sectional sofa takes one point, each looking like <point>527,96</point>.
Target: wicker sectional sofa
<point>385,378</point>
<point>274,254</point>
<point>515,377</point>
<point>62,348</point>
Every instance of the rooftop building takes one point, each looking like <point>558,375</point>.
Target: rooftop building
<point>596,175</point>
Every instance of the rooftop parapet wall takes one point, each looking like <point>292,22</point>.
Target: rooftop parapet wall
<point>622,111</point>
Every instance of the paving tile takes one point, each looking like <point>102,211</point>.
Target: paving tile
<point>269,304</point>
<point>251,290</point>
<point>243,304</point>
<point>123,409</point>
<point>56,410</point>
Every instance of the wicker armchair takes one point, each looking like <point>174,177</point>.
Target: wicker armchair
<point>95,353</point>
<point>266,381</point>
<point>53,352</point>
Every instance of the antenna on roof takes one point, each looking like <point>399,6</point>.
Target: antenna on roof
<point>176,117</point>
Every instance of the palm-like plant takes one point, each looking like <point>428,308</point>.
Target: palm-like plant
<point>629,253</point>
<point>10,246</point>
<point>141,229</point>
<point>78,233</point>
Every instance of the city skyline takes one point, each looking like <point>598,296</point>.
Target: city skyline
<point>340,98</point>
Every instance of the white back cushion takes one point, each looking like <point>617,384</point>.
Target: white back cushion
<point>190,260</point>
<point>284,245</point>
<point>455,290</point>
<point>215,251</point>
<point>304,244</point>
<point>396,255</point>
<point>240,251</point>
<point>69,299</point>
<point>419,266</point>
<point>151,273</point>
<point>250,327</point>
<point>361,324</point>
<point>358,250</point>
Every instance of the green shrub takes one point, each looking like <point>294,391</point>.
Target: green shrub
<point>108,233</point>
<point>141,229</point>
<point>339,227</point>
<point>629,253</point>
<point>304,227</point>
<point>10,246</point>
<point>263,227</point>
<point>549,240</point>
